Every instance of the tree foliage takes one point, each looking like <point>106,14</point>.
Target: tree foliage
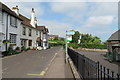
<point>88,38</point>
<point>75,37</point>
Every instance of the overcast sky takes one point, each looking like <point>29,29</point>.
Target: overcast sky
<point>96,18</point>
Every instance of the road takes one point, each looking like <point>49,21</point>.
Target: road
<point>28,64</point>
<point>98,56</point>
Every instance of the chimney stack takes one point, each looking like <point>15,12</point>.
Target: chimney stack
<point>16,9</point>
<point>32,22</point>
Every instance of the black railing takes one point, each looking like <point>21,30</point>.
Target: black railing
<point>89,69</point>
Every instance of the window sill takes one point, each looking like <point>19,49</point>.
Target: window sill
<point>13,26</point>
<point>12,44</point>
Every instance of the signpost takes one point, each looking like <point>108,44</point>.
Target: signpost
<point>68,39</point>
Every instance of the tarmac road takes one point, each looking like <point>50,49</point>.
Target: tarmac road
<point>30,64</point>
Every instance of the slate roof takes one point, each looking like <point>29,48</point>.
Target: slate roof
<point>115,36</point>
<point>42,28</point>
<point>25,21</point>
<point>4,8</point>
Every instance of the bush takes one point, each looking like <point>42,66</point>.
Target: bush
<point>73,45</point>
<point>5,53</point>
<point>11,51</point>
<point>93,45</point>
<point>17,48</point>
<point>23,48</point>
<point>28,48</point>
<point>55,44</point>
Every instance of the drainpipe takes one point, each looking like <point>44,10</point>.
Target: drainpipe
<point>6,30</point>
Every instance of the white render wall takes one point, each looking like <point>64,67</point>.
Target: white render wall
<point>11,29</point>
<point>33,36</point>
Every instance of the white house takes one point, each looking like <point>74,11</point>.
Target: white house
<point>44,36</point>
<point>30,35</point>
<point>9,28</point>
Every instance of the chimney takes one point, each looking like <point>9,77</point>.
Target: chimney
<point>35,21</point>
<point>32,22</point>
<point>16,10</point>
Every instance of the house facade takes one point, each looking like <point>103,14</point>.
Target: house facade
<point>17,30</point>
<point>9,28</point>
<point>30,35</point>
<point>113,44</point>
<point>43,37</point>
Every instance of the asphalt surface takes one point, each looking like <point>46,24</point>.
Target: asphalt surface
<point>27,64</point>
<point>99,56</point>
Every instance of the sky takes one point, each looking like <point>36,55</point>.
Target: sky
<point>96,18</point>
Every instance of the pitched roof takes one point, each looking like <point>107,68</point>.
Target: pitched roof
<point>115,36</point>
<point>42,28</point>
<point>4,8</point>
<point>25,21</point>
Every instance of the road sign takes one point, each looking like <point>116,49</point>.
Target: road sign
<point>70,32</point>
<point>69,38</point>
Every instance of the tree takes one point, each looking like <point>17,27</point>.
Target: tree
<point>75,37</point>
<point>56,38</point>
<point>88,38</point>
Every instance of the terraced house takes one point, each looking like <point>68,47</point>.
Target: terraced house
<point>9,28</point>
<point>31,35</point>
<point>21,31</point>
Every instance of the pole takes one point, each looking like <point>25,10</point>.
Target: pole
<point>66,54</point>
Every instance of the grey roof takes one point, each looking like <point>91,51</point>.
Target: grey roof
<point>115,36</point>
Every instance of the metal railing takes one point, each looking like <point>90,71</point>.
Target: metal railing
<point>89,69</point>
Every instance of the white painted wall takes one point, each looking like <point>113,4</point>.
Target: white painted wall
<point>11,29</point>
<point>33,37</point>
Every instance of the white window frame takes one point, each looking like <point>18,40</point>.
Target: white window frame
<point>13,21</point>
<point>13,38</point>
<point>24,31</point>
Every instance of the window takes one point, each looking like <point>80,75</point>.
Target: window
<point>13,38</point>
<point>30,32</point>
<point>36,32</point>
<point>24,31</point>
<point>30,43</point>
<point>2,17</point>
<point>13,21</point>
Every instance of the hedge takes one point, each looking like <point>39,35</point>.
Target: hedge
<point>88,45</point>
<point>55,44</point>
<point>93,45</point>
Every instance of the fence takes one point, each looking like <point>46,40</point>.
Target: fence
<point>89,69</point>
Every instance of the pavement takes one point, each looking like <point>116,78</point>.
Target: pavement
<point>37,64</point>
<point>58,69</point>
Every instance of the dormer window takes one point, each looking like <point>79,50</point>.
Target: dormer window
<point>13,21</point>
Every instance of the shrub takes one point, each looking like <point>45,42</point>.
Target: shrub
<point>17,48</point>
<point>23,48</point>
<point>11,51</point>
<point>28,48</point>
<point>93,45</point>
<point>5,53</point>
<point>73,45</point>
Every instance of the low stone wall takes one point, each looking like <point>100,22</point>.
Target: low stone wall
<point>86,49</point>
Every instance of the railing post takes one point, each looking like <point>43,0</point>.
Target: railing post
<point>112,75</point>
<point>104,72</point>
<point>118,77</point>
<point>98,69</point>
<point>101,71</point>
<point>108,74</point>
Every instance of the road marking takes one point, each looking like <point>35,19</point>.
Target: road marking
<point>34,74</point>
<point>44,71</point>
